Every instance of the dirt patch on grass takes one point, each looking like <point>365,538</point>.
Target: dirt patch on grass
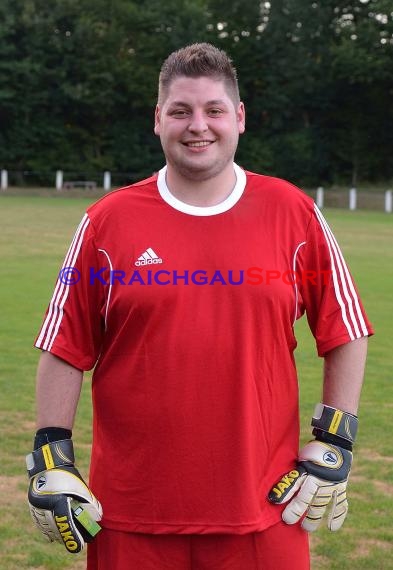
<point>373,455</point>
<point>383,487</point>
<point>318,561</point>
<point>20,424</point>
<point>366,546</point>
<point>11,490</point>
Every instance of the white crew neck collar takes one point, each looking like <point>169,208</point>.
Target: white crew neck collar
<point>223,206</point>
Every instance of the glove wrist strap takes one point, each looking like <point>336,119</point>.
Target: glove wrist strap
<point>334,426</point>
<point>48,434</point>
<point>51,455</point>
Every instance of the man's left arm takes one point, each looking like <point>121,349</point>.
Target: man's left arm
<point>343,375</point>
<point>321,475</point>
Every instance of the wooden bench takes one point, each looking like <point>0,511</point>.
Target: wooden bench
<point>89,184</point>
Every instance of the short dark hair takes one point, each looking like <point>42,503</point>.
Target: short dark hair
<point>198,60</point>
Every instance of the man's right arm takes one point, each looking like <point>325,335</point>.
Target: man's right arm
<point>57,392</point>
<point>61,504</point>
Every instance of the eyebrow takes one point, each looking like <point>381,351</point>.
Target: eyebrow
<point>208,103</point>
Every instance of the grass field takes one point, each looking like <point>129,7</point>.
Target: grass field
<point>35,232</point>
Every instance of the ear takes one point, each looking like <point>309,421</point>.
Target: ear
<point>157,120</point>
<point>241,117</point>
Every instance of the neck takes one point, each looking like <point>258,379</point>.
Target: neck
<point>202,193</point>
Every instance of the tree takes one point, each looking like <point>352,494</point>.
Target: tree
<point>79,83</point>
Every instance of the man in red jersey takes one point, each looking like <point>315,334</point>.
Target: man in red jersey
<point>182,292</point>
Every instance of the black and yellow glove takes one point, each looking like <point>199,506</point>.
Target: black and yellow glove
<point>61,504</point>
<point>321,475</point>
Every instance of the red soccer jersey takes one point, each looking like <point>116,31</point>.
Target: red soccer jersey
<point>187,315</point>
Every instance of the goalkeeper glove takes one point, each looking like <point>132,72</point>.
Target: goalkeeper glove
<point>321,474</point>
<point>61,504</point>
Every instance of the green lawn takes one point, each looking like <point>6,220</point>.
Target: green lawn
<point>35,232</point>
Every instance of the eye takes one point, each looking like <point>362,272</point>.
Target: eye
<point>215,112</point>
<point>179,113</point>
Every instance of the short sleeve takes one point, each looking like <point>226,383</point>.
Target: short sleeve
<point>327,292</point>
<point>73,325</point>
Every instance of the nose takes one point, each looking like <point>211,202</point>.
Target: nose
<point>198,123</point>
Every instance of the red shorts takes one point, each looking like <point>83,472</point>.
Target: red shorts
<point>279,547</point>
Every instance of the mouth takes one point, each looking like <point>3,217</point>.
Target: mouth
<point>197,144</point>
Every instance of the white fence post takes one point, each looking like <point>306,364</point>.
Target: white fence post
<point>319,199</point>
<point>107,181</point>
<point>4,179</point>
<point>352,199</point>
<point>388,201</point>
<point>59,179</point>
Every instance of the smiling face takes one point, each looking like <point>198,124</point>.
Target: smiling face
<point>199,126</point>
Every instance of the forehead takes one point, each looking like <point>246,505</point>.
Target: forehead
<point>196,90</point>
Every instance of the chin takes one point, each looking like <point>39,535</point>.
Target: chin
<point>200,172</point>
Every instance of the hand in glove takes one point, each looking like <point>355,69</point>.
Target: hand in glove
<point>321,475</point>
<point>61,504</point>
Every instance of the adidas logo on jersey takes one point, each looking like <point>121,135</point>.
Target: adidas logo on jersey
<point>148,257</point>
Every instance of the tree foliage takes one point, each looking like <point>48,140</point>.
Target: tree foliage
<point>79,82</point>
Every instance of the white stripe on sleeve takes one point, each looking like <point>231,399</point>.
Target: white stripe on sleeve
<point>343,285</point>
<point>51,325</point>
